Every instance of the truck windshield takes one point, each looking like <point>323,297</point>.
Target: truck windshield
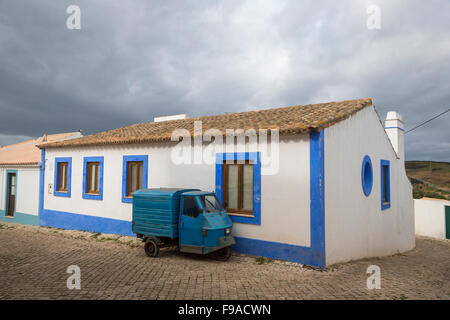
<point>211,204</point>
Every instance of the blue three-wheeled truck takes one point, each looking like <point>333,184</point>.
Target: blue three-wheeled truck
<point>191,219</point>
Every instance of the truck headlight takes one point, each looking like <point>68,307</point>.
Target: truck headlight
<point>227,231</point>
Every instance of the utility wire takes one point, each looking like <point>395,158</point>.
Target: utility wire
<point>425,122</point>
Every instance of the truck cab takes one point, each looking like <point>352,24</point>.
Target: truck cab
<point>204,225</point>
<point>193,220</point>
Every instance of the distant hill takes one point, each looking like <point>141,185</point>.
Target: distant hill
<point>429,179</point>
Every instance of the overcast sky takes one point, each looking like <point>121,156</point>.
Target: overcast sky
<point>133,60</point>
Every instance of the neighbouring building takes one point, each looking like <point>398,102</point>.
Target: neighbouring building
<point>333,188</point>
<point>20,167</point>
<point>432,217</point>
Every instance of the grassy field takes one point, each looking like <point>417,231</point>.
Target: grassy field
<point>429,179</point>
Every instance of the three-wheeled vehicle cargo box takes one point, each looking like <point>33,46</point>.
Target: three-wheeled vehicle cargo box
<point>157,211</point>
<point>191,219</point>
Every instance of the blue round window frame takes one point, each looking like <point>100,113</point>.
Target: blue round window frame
<point>367,175</point>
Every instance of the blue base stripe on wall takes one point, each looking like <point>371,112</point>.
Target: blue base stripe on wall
<point>74,221</point>
<point>275,250</point>
<point>23,218</point>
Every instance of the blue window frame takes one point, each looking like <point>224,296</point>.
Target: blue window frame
<point>385,184</point>
<point>255,158</point>
<point>86,193</point>
<point>125,174</point>
<point>367,175</point>
<point>63,176</point>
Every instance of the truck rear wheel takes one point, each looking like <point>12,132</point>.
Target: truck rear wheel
<point>223,254</point>
<point>151,248</point>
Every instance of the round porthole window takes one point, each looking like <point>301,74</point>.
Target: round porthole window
<point>367,175</point>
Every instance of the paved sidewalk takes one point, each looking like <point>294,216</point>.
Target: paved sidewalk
<point>33,263</point>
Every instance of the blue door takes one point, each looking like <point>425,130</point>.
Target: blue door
<point>191,233</point>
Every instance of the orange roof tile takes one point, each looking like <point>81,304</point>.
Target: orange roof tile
<point>289,120</point>
<point>26,153</point>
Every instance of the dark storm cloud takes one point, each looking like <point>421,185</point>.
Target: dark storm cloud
<point>135,60</point>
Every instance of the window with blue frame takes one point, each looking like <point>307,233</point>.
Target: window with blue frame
<point>238,185</point>
<point>63,177</point>
<point>385,184</point>
<point>134,176</point>
<point>367,175</point>
<point>93,178</point>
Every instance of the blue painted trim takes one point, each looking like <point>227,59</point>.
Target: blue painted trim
<point>256,158</point>
<point>317,194</point>
<point>276,250</point>
<point>86,195</point>
<point>367,177</point>
<point>315,254</point>
<point>385,163</point>
<point>6,192</point>
<point>127,159</point>
<point>401,129</point>
<point>69,178</point>
<point>42,182</point>
<point>75,221</point>
<point>19,217</point>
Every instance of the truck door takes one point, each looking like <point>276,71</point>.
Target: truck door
<point>191,233</point>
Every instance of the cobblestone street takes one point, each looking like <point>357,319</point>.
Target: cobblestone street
<point>33,263</point>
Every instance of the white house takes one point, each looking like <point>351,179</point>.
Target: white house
<point>20,167</point>
<point>328,186</point>
<point>432,217</point>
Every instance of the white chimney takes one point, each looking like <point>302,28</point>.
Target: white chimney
<point>394,128</point>
<point>168,118</point>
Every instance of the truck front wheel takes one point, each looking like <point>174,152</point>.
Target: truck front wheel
<point>223,254</point>
<point>151,248</point>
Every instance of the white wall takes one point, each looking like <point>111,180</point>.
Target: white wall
<point>27,196</point>
<point>356,227</point>
<point>430,217</point>
<point>285,201</point>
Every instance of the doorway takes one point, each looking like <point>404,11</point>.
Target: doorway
<point>11,191</point>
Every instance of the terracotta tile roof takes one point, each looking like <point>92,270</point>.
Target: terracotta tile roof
<point>289,120</point>
<point>26,153</point>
